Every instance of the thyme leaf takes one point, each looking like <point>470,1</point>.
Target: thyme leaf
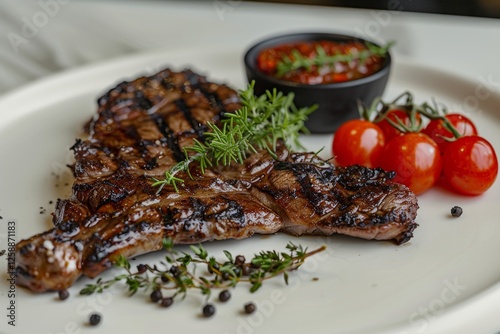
<point>297,60</point>
<point>178,275</point>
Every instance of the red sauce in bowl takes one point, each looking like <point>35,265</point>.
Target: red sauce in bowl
<point>268,61</point>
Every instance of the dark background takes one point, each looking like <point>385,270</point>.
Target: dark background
<point>477,8</point>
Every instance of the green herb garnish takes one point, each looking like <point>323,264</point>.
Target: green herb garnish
<point>178,275</point>
<point>298,61</point>
<point>259,124</point>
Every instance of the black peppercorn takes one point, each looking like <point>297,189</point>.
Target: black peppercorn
<point>240,260</point>
<point>167,301</point>
<point>95,319</point>
<point>208,310</point>
<point>456,211</point>
<point>175,271</point>
<point>250,308</point>
<point>224,296</point>
<point>245,270</point>
<point>142,268</point>
<point>63,294</point>
<point>155,296</point>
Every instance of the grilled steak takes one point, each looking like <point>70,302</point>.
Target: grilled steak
<point>140,131</point>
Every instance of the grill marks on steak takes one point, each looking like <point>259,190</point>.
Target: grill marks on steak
<point>355,201</point>
<point>314,197</point>
<point>145,124</point>
<point>140,131</point>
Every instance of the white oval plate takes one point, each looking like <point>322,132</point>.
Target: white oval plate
<point>445,280</point>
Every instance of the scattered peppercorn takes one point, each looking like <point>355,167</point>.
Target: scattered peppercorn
<point>456,211</point>
<point>188,280</point>
<point>155,296</point>
<point>141,268</point>
<point>240,260</point>
<point>246,270</point>
<point>208,310</point>
<point>167,301</point>
<point>63,294</point>
<point>224,296</point>
<point>95,319</point>
<point>174,270</point>
<point>250,308</point>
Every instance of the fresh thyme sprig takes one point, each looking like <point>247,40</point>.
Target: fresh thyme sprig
<point>297,60</point>
<point>260,123</point>
<point>178,275</point>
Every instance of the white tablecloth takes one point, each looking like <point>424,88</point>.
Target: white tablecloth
<point>46,36</point>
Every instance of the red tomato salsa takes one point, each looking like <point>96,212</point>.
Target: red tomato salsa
<point>361,61</point>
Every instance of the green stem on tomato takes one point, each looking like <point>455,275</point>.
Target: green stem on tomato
<point>433,114</point>
<point>379,111</point>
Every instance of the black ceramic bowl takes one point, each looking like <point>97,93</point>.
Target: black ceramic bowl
<point>337,102</point>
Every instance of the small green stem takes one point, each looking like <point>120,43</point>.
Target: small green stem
<point>434,114</point>
<point>298,61</point>
<point>181,277</point>
<point>380,110</point>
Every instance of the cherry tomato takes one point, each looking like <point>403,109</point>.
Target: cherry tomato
<point>416,160</point>
<point>470,165</point>
<point>436,130</point>
<point>389,131</point>
<point>358,142</point>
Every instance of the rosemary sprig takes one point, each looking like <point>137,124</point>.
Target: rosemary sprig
<point>260,123</point>
<point>297,60</point>
<point>178,275</point>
